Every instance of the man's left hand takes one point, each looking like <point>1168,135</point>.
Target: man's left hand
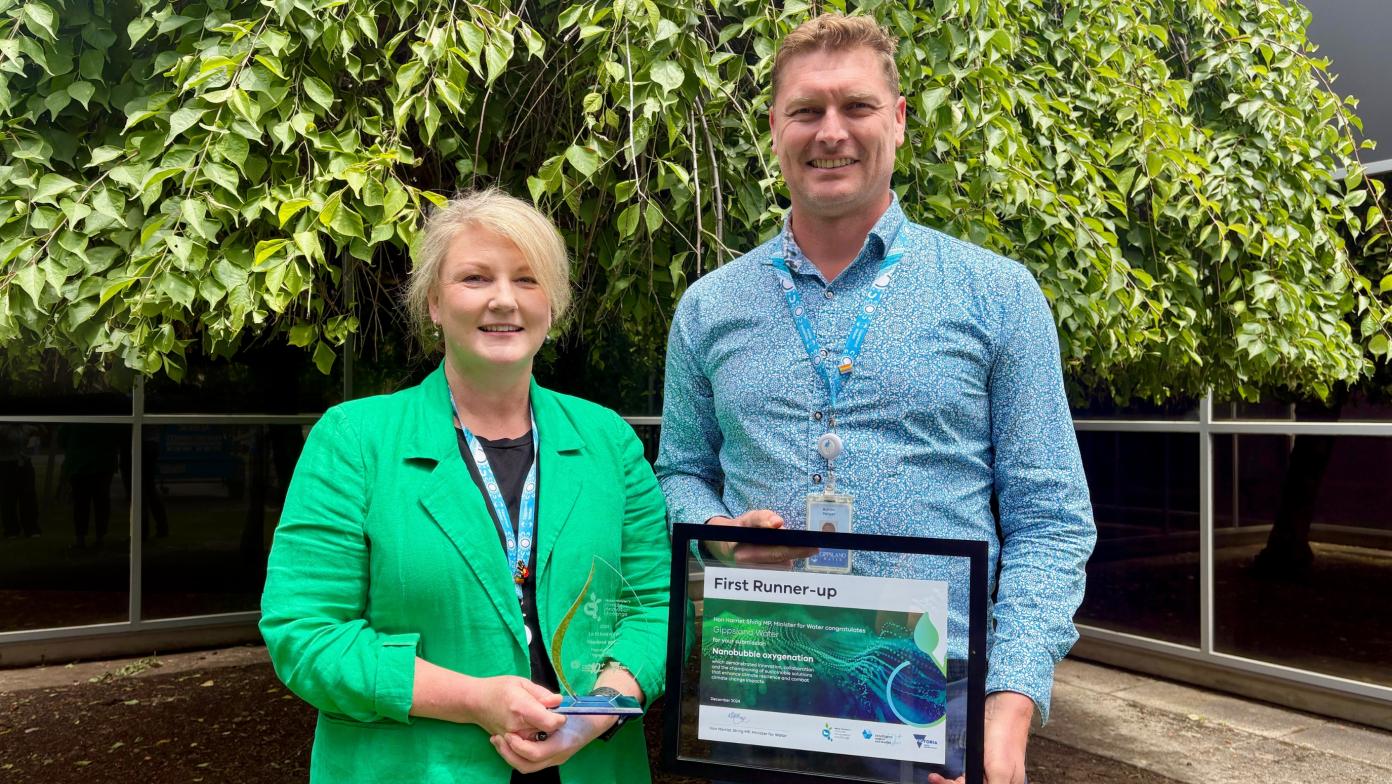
<point>1008,717</point>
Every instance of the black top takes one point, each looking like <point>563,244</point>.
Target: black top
<point>510,458</point>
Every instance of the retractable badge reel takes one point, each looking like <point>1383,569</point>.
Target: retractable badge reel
<point>829,511</point>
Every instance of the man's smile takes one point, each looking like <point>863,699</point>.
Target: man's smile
<point>830,163</point>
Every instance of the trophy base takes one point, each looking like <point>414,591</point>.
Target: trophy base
<point>598,705</point>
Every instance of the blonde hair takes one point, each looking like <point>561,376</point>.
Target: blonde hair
<point>510,218</point>
<point>837,33</point>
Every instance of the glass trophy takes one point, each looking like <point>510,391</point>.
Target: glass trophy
<point>585,640</point>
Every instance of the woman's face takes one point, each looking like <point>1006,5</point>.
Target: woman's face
<point>488,303</point>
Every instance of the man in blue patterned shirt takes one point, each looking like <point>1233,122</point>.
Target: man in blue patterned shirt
<point>956,396</point>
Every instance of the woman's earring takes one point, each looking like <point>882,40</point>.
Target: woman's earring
<point>437,332</point>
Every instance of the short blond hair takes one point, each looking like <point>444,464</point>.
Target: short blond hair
<point>517,221</point>
<point>837,33</point>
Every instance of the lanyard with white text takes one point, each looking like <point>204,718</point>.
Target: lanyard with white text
<point>835,374</point>
<point>519,540</point>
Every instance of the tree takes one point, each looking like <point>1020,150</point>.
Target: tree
<point>178,173</point>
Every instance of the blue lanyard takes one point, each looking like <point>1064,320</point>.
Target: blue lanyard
<point>519,540</point>
<point>835,374</point>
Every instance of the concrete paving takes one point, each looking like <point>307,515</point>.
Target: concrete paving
<point>1194,735</point>
<point>1183,733</point>
<point>54,676</point>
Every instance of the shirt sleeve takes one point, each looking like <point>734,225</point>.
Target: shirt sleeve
<point>316,589</point>
<point>688,460</point>
<point>1045,513</point>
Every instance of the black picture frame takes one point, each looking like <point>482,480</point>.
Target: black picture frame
<point>686,538</point>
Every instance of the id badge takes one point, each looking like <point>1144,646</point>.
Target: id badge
<point>829,512</point>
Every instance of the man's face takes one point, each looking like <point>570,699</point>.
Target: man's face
<point>836,125</point>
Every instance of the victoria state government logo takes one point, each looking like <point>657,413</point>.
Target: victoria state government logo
<point>921,740</point>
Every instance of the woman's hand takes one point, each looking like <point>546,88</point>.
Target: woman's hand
<point>501,704</point>
<point>510,704</point>
<point>525,754</point>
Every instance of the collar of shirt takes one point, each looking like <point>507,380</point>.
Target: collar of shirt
<point>877,242</point>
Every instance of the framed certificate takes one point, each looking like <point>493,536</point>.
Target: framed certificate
<point>777,667</point>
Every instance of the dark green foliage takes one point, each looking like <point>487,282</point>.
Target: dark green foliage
<point>180,172</point>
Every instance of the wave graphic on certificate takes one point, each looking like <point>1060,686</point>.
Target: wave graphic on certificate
<point>840,664</point>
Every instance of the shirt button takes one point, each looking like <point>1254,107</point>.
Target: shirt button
<point>817,415</point>
<point>828,294</point>
<point>816,479</point>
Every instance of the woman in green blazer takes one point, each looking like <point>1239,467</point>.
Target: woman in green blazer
<point>412,595</point>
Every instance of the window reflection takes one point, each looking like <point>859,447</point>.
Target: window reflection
<point>1178,409</point>
<point>212,497</point>
<point>1143,577</point>
<point>270,378</point>
<point>1356,406</point>
<point>64,512</point>
<point>1303,560</point>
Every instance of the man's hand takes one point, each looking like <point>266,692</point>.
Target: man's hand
<point>1008,717</point>
<point>749,554</point>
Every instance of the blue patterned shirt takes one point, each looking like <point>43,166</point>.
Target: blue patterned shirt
<point>957,394</point>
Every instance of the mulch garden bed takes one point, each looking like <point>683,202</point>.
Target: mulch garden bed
<point>239,724</point>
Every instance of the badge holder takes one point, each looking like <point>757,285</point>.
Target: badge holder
<point>829,512</point>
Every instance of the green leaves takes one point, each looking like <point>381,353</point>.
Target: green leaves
<point>51,186</point>
<point>223,175</point>
<point>290,208</point>
<point>182,120</point>
<point>81,92</point>
<point>584,159</point>
<point>1163,170</point>
<point>667,74</point>
<point>40,19</point>
<point>318,92</point>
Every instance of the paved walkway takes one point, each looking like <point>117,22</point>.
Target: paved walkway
<point>1179,732</point>
<point>1194,735</point>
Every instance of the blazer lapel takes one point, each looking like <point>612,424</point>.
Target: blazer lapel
<point>562,469</point>
<point>454,503</point>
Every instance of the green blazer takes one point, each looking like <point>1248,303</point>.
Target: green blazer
<point>385,551</point>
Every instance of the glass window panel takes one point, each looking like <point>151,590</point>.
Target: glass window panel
<point>270,378</point>
<point>1358,406</point>
<point>64,513</point>
<point>1179,409</point>
<point>46,385</point>
<point>1143,577</point>
<point>211,497</point>
<point>1303,562</point>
